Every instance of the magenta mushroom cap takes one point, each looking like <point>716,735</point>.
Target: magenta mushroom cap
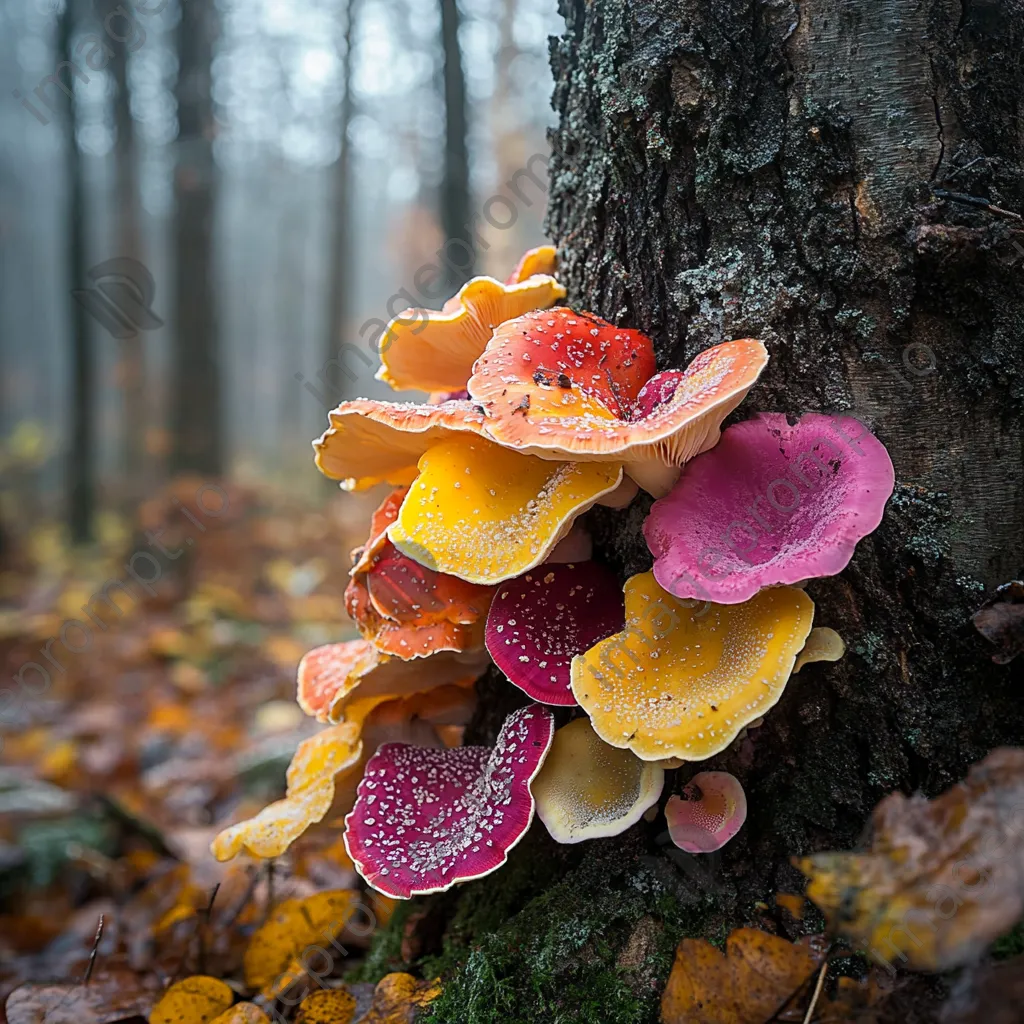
<point>772,502</point>
<point>710,812</point>
<point>426,819</point>
<point>541,620</point>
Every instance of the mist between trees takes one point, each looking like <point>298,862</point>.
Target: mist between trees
<point>144,568</point>
<point>455,259</point>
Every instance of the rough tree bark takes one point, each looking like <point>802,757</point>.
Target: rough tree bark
<point>842,179</point>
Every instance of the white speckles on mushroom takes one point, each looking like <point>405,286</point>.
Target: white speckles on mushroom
<point>433,808</point>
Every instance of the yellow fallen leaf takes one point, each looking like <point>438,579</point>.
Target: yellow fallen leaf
<point>399,997</point>
<point>242,1013</point>
<point>195,1000</point>
<point>296,939</point>
<point>327,1006</point>
<point>750,983</point>
<point>943,878</point>
<point>312,773</point>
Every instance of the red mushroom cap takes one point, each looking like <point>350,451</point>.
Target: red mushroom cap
<point>711,811</point>
<point>427,819</point>
<point>541,620</point>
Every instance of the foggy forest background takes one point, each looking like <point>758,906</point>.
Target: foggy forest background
<point>281,170</point>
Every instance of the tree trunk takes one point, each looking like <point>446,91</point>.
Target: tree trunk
<point>842,179</point>
<point>82,455</point>
<point>455,197</point>
<point>339,272</point>
<point>131,362</point>
<point>196,425</point>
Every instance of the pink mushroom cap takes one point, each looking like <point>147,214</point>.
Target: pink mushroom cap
<point>426,819</point>
<point>541,620</point>
<point>710,812</point>
<point>772,502</point>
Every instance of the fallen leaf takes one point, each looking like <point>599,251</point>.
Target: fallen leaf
<point>108,997</point>
<point>195,1000</point>
<point>296,938</point>
<point>943,878</point>
<point>399,997</point>
<point>750,983</point>
<point>327,1006</point>
<point>242,1013</point>
<point>1001,620</point>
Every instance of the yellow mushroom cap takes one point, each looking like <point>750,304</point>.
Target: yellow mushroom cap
<point>824,644</point>
<point>485,514</point>
<point>683,679</point>
<point>588,789</point>
<point>317,764</point>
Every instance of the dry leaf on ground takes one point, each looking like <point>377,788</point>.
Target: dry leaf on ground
<point>296,940</point>
<point>750,983</point>
<point>107,998</point>
<point>195,1000</point>
<point>242,1013</point>
<point>399,998</point>
<point>943,878</point>
<point>327,1006</point>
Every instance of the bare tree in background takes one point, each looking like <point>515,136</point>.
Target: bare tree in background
<point>81,464</point>
<point>338,270</point>
<point>131,361</point>
<point>196,423</point>
<point>455,196</point>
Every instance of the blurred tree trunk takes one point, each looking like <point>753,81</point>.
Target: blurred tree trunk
<point>338,269</point>
<point>832,178</point>
<point>196,412</point>
<point>455,194</point>
<point>131,362</point>
<point>82,455</point>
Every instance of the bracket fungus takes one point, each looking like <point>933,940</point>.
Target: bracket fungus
<point>588,789</point>
<point>710,812</point>
<point>405,609</point>
<point>349,679</point>
<point>425,820</point>
<point>311,778</point>
<point>485,514</point>
<point>796,497</point>
<point>539,621</point>
<point>682,679</point>
<point>823,644</point>
<point>565,385</point>
<point>435,350</point>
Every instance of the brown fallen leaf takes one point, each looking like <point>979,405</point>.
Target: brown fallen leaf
<point>109,997</point>
<point>398,999</point>
<point>943,878</point>
<point>195,1000</point>
<point>756,977</point>
<point>297,940</point>
<point>327,1006</point>
<point>1001,620</point>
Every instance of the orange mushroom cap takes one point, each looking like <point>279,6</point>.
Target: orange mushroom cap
<point>541,260</point>
<point>485,514</point>
<point>434,351</point>
<point>370,442</point>
<point>350,679</point>
<point>588,789</point>
<point>684,678</point>
<point>823,644</point>
<point>405,609</point>
<point>560,384</point>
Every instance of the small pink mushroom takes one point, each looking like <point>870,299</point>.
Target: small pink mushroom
<point>426,819</point>
<point>771,503</point>
<point>541,620</point>
<point>710,812</point>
